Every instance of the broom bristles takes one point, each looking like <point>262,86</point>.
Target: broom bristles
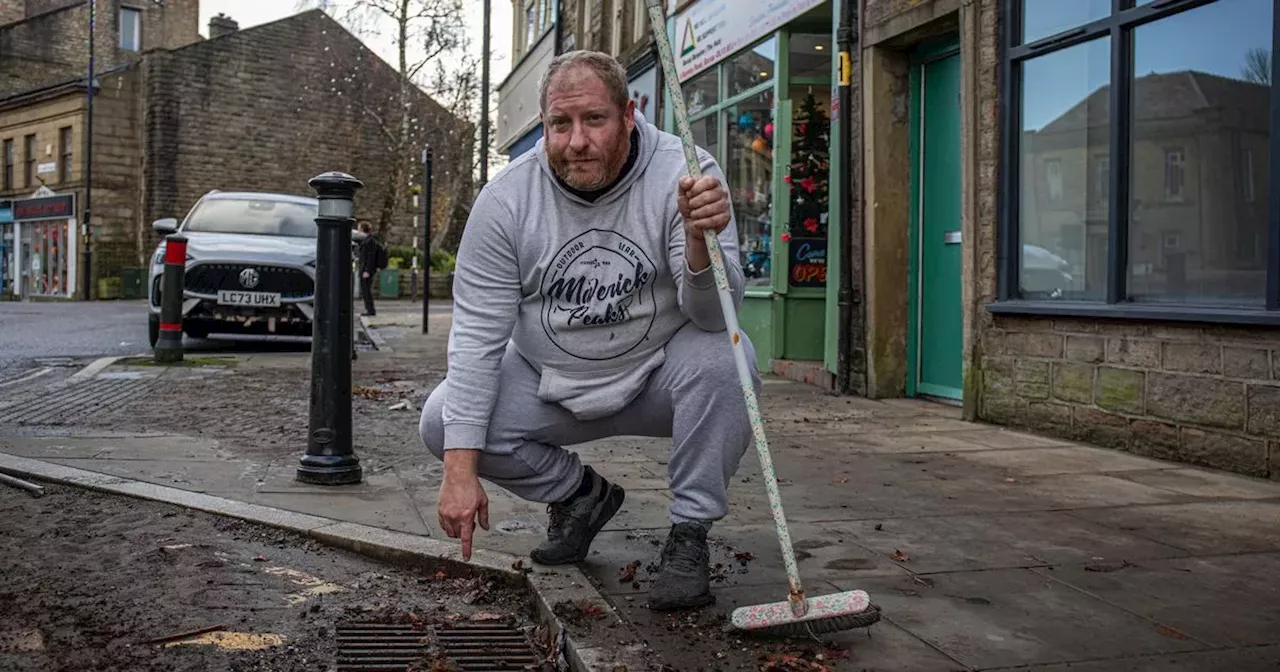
<point>855,604</point>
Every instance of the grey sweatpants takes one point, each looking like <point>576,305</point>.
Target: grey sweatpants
<point>694,398</point>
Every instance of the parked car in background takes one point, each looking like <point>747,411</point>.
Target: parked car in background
<point>250,268</point>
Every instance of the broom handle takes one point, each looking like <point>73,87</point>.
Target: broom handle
<point>658,23</point>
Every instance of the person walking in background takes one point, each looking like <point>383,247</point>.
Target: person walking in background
<point>372,257</point>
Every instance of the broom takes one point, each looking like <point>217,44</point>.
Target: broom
<point>798,615</point>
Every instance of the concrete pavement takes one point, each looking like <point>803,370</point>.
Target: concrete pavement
<point>986,548</point>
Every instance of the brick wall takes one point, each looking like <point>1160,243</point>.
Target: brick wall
<point>267,108</point>
<point>1205,395</point>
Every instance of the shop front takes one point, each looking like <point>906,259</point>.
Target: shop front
<point>758,86</point>
<point>42,248</point>
<point>6,245</point>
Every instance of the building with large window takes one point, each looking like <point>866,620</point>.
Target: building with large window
<point>1071,222</point>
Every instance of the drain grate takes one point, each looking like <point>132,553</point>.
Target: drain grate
<point>487,647</point>
<point>473,647</point>
<point>379,647</point>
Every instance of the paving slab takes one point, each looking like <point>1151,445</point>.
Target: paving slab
<point>997,541</point>
<point>225,477</point>
<point>1261,659</point>
<point>1201,528</point>
<point>1206,483</point>
<point>1006,618</point>
<point>1050,461</point>
<point>1224,601</point>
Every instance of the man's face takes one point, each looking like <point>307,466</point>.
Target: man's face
<point>587,135</point>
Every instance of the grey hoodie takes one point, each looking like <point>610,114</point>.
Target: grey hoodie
<point>588,293</point>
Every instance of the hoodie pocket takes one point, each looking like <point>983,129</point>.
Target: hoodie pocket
<point>591,395</point>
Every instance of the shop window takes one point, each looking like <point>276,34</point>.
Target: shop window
<point>810,55</point>
<point>748,167</point>
<point>130,29</point>
<point>750,68</point>
<point>64,154</point>
<point>29,161</point>
<point>1180,99</point>
<point>702,92</point>
<point>10,158</point>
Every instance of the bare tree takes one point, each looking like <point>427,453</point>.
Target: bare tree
<point>1257,66</point>
<point>422,32</point>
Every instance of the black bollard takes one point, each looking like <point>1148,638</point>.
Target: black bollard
<point>168,348</point>
<point>330,459</point>
<point>426,237</point>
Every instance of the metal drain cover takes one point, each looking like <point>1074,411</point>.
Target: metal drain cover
<point>487,647</point>
<point>473,647</point>
<point>374,647</point>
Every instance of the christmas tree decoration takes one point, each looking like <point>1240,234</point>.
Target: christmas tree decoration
<point>810,167</point>
<point>768,130</point>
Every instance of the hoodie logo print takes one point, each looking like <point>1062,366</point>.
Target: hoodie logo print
<point>598,296</point>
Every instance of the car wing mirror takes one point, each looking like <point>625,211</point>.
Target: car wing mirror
<point>165,226</point>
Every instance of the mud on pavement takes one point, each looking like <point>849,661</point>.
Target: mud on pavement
<point>102,582</point>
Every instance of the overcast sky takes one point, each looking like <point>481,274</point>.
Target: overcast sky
<point>249,13</point>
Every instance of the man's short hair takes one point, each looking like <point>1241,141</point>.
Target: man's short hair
<point>606,67</point>
<point>364,227</point>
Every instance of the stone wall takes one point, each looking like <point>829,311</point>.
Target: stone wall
<point>122,237</point>
<point>1205,395</point>
<point>267,108</point>
<point>51,45</point>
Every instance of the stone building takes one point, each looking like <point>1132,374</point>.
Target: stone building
<point>1086,247</point>
<point>544,28</point>
<point>261,109</point>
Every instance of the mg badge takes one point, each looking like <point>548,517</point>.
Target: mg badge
<point>249,278</point>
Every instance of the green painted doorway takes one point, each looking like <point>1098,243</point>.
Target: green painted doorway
<point>936,330</point>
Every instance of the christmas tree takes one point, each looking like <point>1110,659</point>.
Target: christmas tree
<point>810,170</point>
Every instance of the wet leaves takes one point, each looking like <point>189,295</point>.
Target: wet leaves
<point>1107,566</point>
<point>899,556</point>
<point>578,612</point>
<point>1171,633</point>
<point>628,573</point>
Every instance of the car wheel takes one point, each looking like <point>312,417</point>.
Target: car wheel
<point>153,329</point>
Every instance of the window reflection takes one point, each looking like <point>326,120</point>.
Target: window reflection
<point>702,91</point>
<point>1042,18</point>
<point>749,168</point>
<point>1200,156</point>
<point>1065,173</point>
<point>752,67</point>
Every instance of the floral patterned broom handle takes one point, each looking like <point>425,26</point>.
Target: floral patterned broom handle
<point>657,20</point>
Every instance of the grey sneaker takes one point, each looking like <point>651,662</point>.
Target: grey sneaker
<point>575,524</point>
<point>684,573</point>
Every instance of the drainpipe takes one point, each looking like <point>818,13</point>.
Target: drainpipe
<point>558,21</point>
<point>846,40</point>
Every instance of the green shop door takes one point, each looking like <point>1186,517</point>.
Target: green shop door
<point>936,333</point>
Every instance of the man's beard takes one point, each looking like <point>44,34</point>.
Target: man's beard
<point>597,174</point>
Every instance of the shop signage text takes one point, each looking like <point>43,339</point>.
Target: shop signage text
<point>711,30</point>
<point>49,207</point>
<point>807,262</point>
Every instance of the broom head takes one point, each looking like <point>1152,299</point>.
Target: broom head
<point>828,613</point>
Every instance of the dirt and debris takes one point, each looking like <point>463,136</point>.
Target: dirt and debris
<point>579,612</point>
<point>628,573</point>
<point>1108,566</point>
<point>900,556</point>
<point>103,582</point>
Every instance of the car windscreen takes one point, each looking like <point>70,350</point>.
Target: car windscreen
<point>254,216</point>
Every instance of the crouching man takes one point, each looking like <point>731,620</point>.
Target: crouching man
<point>584,308</point>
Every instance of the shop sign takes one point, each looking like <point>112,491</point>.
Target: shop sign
<point>807,262</point>
<point>644,91</point>
<point>711,30</point>
<point>6,212</point>
<point>49,207</point>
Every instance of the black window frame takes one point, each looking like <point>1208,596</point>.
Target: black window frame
<point>29,160</point>
<point>1119,26</point>
<point>65,153</point>
<point>9,176</point>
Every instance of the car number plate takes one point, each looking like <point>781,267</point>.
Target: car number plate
<point>251,299</point>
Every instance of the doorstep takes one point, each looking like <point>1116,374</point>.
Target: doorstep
<point>804,371</point>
